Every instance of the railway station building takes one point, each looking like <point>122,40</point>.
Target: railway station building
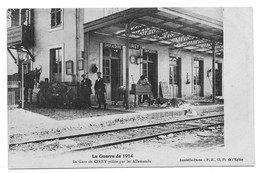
<point>172,46</point>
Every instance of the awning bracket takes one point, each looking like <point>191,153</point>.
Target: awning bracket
<point>12,55</point>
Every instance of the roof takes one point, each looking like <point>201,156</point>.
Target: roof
<point>174,27</point>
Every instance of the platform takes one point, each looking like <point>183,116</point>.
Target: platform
<point>28,125</point>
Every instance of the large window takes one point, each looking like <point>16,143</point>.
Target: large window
<point>173,71</point>
<point>57,60</point>
<point>56,64</point>
<point>16,17</point>
<point>115,53</point>
<point>196,74</point>
<point>147,58</point>
<point>56,17</point>
<point>171,74</point>
<point>111,53</point>
<point>106,70</point>
<point>108,54</point>
<point>145,69</point>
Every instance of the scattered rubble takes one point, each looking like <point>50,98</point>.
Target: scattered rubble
<point>162,137</point>
<point>49,143</point>
<point>65,122</point>
<point>211,128</point>
<point>164,102</point>
<point>170,135</point>
<point>67,142</point>
<point>204,134</point>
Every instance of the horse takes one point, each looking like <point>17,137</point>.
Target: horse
<point>30,79</point>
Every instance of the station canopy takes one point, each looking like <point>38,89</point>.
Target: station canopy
<point>173,27</point>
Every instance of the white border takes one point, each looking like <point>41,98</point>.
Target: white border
<point>84,3</point>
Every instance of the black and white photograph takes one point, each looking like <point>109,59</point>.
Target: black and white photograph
<point>128,87</point>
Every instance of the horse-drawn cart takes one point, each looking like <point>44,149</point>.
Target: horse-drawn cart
<point>59,94</point>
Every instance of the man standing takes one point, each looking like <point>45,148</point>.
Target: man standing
<point>100,90</point>
<point>86,90</point>
<point>143,81</point>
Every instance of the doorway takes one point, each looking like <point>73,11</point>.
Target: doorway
<point>198,79</point>
<point>150,70</point>
<point>115,78</point>
<point>175,76</point>
<point>218,72</point>
<point>55,65</point>
<point>111,72</point>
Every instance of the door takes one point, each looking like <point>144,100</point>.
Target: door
<point>198,80</point>
<point>179,77</point>
<point>55,65</point>
<point>115,78</point>
<point>111,71</point>
<point>150,70</point>
<point>175,76</point>
<point>218,72</point>
<point>152,78</point>
<point>171,80</point>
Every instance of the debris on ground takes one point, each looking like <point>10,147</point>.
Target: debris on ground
<point>192,124</point>
<point>190,112</point>
<point>211,128</point>
<point>71,114</point>
<point>67,142</point>
<point>162,137</point>
<point>204,134</point>
<point>49,142</point>
<point>170,135</point>
<point>164,102</point>
<point>185,104</point>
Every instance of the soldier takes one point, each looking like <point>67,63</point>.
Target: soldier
<point>86,90</point>
<point>100,90</point>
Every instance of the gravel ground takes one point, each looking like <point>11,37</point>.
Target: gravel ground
<point>79,142</point>
<point>51,128</point>
<point>29,125</point>
<point>192,140</point>
<point>186,142</point>
<point>71,114</point>
<point>58,122</point>
<point>35,123</point>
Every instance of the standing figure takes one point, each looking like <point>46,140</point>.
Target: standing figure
<point>86,90</point>
<point>100,90</point>
<point>143,81</point>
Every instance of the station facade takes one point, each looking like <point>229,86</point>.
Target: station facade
<point>187,73</point>
<point>65,50</point>
<point>186,68</point>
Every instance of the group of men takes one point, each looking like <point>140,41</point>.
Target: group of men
<point>99,88</point>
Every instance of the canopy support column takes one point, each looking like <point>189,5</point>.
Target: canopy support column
<point>22,85</point>
<point>127,30</point>
<point>86,52</point>
<point>213,73</point>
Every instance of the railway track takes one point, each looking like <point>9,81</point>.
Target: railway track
<point>106,138</point>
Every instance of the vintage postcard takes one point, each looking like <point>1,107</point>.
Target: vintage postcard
<point>130,87</point>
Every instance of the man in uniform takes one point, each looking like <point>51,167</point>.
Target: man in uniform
<point>100,90</point>
<point>86,90</point>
